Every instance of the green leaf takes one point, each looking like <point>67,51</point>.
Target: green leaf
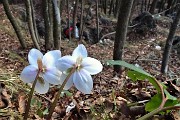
<point>45,112</point>
<point>154,103</point>
<point>134,75</point>
<point>69,94</point>
<point>33,101</point>
<point>156,100</point>
<point>39,113</point>
<point>38,104</point>
<point>137,72</point>
<point>62,94</point>
<point>66,92</point>
<point>170,97</point>
<point>171,103</point>
<point>127,65</point>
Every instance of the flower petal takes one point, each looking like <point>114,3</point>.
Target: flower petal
<point>65,62</point>
<point>83,81</point>
<point>69,83</point>
<point>80,51</point>
<point>93,66</point>
<point>29,74</point>
<point>51,57</point>
<point>33,56</point>
<point>42,88</point>
<point>52,75</point>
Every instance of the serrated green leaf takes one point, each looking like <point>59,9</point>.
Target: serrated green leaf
<point>139,73</point>
<point>154,103</point>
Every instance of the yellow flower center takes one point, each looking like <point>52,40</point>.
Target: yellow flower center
<point>78,62</point>
<point>42,70</point>
<point>41,67</point>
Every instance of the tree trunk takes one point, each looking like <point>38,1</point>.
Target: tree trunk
<point>111,7</point>
<point>74,17</point>
<point>47,24</point>
<point>30,23</point>
<point>81,21</point>
<point>69,24</point>
<point>153,6</point>
<point>51,21</point>
<point>34,21</point>
<point>169,41</point>
<point>169,4</point>
<point>97,19</point>
<point>14,24</point>
<point>161,6</point>
<point>121,31</point>
<point>56,27</point>
<point>116,10</point>
<point>133,9</point>
<point>88,12</point>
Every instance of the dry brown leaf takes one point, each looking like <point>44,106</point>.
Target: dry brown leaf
<point>4,97</point>
<point>22,102</point>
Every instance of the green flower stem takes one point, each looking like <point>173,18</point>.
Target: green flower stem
<point>53,105</point>
<point>157,111</point>
<point>150,114</point>
<point>30,97</point>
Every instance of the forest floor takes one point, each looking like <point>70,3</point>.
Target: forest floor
<point>107,88</point>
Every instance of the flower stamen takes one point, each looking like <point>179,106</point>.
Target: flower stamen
<point>41,81</point>
<point>40,64</point>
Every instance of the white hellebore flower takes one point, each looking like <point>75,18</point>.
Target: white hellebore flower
<point>48,72</point>
<point>86,66</point>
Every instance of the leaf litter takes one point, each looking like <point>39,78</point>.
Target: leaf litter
<point>111,95</point>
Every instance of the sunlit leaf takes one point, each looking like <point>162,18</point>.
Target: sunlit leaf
<point>170,97</point>
<point>136,73</point>
<point>154,103</point>
<point>45,112</point>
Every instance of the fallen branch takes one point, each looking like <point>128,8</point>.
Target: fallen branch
<point>111,33</point>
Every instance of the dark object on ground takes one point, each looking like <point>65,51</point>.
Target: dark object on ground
<point>176,45</point>
<point>144,23</point>
<point>176,40</point>
<point>104,21</point>
<point>40,27</point>
<point>92,32</point>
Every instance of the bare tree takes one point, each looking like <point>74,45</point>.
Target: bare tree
<point>30,23</point>
<point>97,19</point>
<point>74,17</point>
<point>56,27</point>
<point>169,41</point>
<point>14,23</point>
<point>69,24</point>
<point>81,21</point>
<point>34,21</point>
<point>116,10</point>
<point>153,6</point>
<point>121,31</point>
<point>111,6</point>
<point>48,27</point>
